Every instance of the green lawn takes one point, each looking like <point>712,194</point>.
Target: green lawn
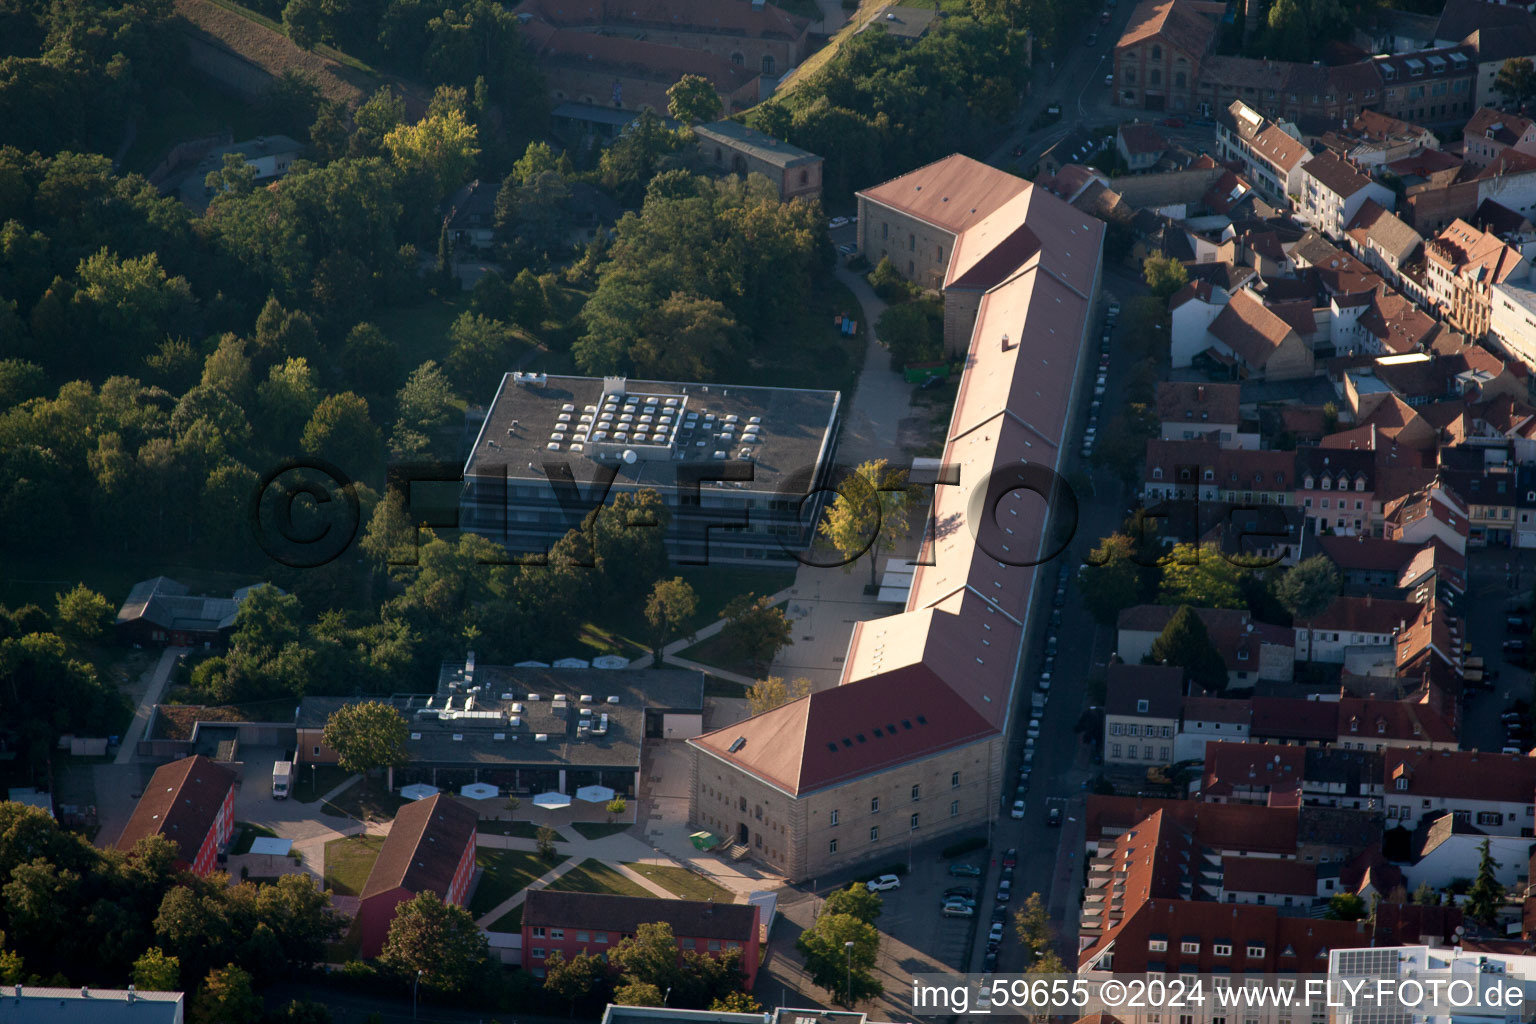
<point>248,834</point>
<point>595,876</point>
<point>626,632</point>
<point>366,799</point>
<point>682,883</point>
<point>507,872</point>
<point>717,652</point>
<point>348,861</point>
<point>600,829</point>
<point>311,783</point>
<point>520,829</point>
<point>511,921</point>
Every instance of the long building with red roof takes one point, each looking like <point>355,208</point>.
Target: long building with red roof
<point>914,736</point>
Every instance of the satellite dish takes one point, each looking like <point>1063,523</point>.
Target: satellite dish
<point>629,456</point>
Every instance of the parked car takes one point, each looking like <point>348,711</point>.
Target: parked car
<point>1104,17</point>
<point>1018,811</point>
<point>1517,623</point>
<point>965,870</point>
<point>960,901</point>
<point>1109,81</point>
<point>1052,818</point>
<point>1004,891</point>
<point>883,883</point>
<point>1033,731</point>
<point>958,910</point>
<point>989,963</point>
<point>1093,37</point>
<point>1010,857</point>
<point>847,248</point>
<point>959,890</point>
<point>837,222</point>
<point>995,934</point>
<point>1514,646</point>
<point>1173,122</point>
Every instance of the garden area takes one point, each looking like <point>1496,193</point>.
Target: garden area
<point>505,874</point>
<point>594,876</point>
<point>682,883</point>
<point>348,862</point>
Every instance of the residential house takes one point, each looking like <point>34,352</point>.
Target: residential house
<point>1490,132</point>
<point>1432,87</point>
<point>1205,720</point>
<point>1495,792</point>
<point>570,923</point>
<point>1189,410</point>
<point>1275,883</point>
<point>1297,92</point>
<point>1488,487</point>
<point>1180,470</point>
<point>1271,154</point>
<point>1252,650</point>
<point>1336,489</point>
<point>268,157</point>
<point>1332,193</point>
<point>1252,773</point>
<point>1254,342</point>
<point>1340,777</point>
<point>1372,724</point>
<point>1141,713</point>
<point>1235,830</point>
<point>1382,239</point>
<point>1462,265</point>
<point>1512,321</point>
<point>1365,563</point>
<point>902,22</point>
<point>1141,146</point>
<point>732,147</point>
<point>1448,848</point>
<point>1356,632</point>
<point>1291,721</point>
<point>1191,311</point>
<point>469,217</point>
<point>430,848</point>
<point>1432,511</point>
<point>1373,139</point>
<point>192,803</point>
<point>1158,57</point>
<point>1255,477</point>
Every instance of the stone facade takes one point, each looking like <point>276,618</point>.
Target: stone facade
<point>955,790</point>
<point>920,251</point>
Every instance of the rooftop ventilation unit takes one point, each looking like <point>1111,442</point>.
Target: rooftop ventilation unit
<point>542,737</point>
<point>535,697</point>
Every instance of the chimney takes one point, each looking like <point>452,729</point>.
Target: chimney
<point>1005,343</point>
<point>85,993</point>
<point>131,994</point>
<point>1200,392</point>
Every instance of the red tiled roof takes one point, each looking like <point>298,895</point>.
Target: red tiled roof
<point>1217,709</point>
<point>1268,875</point>
<point>1338,176</point>
<point>1221,827</point>
<point>1370,554</point>
<point>181,802</point>
<point>1175,22</point>
<point>1249,329</point>
<point>1290,944</point>
<point>1287,718</point>
<point>424,847</point>
<point>1367,614</point>
<point>1230,766</point>
<point>1464,774</point>
<point>953,193</point>
<point>1140,139</point>
<point>1190,402</point>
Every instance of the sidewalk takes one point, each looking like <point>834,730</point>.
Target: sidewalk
<point>674,648</point>
<point>127,752</point>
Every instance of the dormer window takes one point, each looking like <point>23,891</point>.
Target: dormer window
<point>1360,484</point>
<point>1354,725</point>
<point>1142,706</point>
<point>1327,484</point>
<point>1402,785</point>
<point>1308,482</point>
<point>1157,472</point>
<point>1381,726</point>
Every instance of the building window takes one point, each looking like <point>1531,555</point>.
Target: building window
<point>538,933</point>
<point>1221,949</point>
<point>714,945</point>
<point>538,953</point>
<point>874,805</point>
<point>743,804</point>
<point>1142,706</point>
<point>1157,945</point>
<point>832,818</point>
<point>913,823</point>
<point>601,938</point>
<point>954,780</point>
<point>737,59</point>
<point>768,64</point>
<point>874,834</point>
<point>1255,952</point>
<point>1157,52</point>
<point>805,177</point>
<point>1114,750</point>
<point>954,808</point>
<point>557,933</point>
<point>917,792</point>
<point>885,231</point>
<point>583,937</point>
<point>1189,947</point>
<point>832,846</point>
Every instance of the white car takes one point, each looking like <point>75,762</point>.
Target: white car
<point>883,883</point>
<point>1033,732</point>
<point>1018,810</point>
<point>837,222</point>
<point>996,932</point>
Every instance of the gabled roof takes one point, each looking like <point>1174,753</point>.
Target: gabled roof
<point>1383,229</point>
<point>1216,709</point>
<point>1160,686</point>
<point>1280,149</point>
<point>181,802</point>
<point>1191,402</point>
<point>1468,252</point>
<point>1249,329</point>
<point>1141,139</point>
<point>424,847</point>
<point>1221,827</point>
<point>1175,22</point>
<point>1268,875</point>
<point>1403,720</point>
<point>1336,175</point>
<point>1497,125</point>
<point>1368,614</point>
<point>1362,553</point>
<point>1286,718</point>
<point>165,603</point>
<point>1460,774</point>
<point>952,194</point>
<point>1232,766</point>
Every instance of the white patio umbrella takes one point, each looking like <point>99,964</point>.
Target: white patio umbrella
<point>418,791</point>
<point>551,801</point>
<point>480,791</point>
<point>594,794</point>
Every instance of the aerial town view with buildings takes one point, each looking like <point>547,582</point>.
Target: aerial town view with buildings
<point>715,510</point>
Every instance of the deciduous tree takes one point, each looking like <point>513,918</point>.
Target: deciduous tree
<point>827,960</point>
<point>156,972</point>
<point>366,735</point>
<point>85,616</point>
<point>869,514</point>
<point>1516,80</point>
<point>692,99</point>
<point>671,605</point>
<point>1185,642</point>
<point>439,940</point>
<point>441,146</point>
<point>767,694</point>
<point>1202,576</point>
<point>856,901</point>
<point>227,997</point>
<point>1164,274</point>
<point>755,629</point>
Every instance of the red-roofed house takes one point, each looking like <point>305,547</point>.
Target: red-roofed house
<point>1157,58</point>
<point>1252,650</point>
<point>1495,792</point>
<point>1368,723</point>
<point>1431,512</point>
<point>1252,773</point>
<point>1259,342</point>
<point>1226,829</point>
<point>1141,146</point>
<point>430,848</point>
<point>192,803</point>
<point>1354,629</point>
<point>1141,713</point>
<point>1206,720</point>
<point>1190,410</point>
<point>1274,883</point>
<point>1333,191</point>
<point>1462,264</point>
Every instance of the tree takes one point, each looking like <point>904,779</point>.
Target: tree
<point>481,353</point>
<point>1516,80</point>
<point>855,901</point>
<point>637,993</point>
<point>441,146</point>
<point>686,337</point>
<point>341,431</point>
<point>1113,580</point>
<point>234,174</point>
<point>1123,447</point>
<point>888,283</point>
<point>439,940</point>
<point>1184,642</point>
<point>301,21</point>
<point>671,604</point>
<point>736,1002</point>
<point>868,514</point>
<point>304,1011</point>
<point>367,735</point>
<point>546,841</point>
<point>1164,275</point>
<point>1033,923</point>
<point>1346,906</point>
<point>912,331</point>
<point>1426,895</point>
<point>767,694</point>
<point>692,99</point>
<point>513,803</point>
<point>574,979</point>
<point>1486,895</point>
<point>827,960</point>
<point>649,956</point>
<point>1307,589</point>
<point>153,971</point>
<point>1202,576</point>
<point>227,998</point>
<point>287,399</point>
<point>381,114</point>
<point>615,807</point>
<point>755,629</point>
<point>85,616</point>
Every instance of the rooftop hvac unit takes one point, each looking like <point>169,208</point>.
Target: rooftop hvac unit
<point>458,737</point>
<point>585,712</point>
<point>535,696</point>
<point>613,700</point>
<point>586,698</point>
<point>514,721</point>
<point>542,737</point>
<point>517,709</point>
<point>498,735</point>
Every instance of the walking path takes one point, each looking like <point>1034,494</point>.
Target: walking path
<point>676,647</point>
<point>128,751</point>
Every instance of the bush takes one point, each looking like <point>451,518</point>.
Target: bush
<point>963,847</point>
<point>913,331</point>
<point>888,283</point>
